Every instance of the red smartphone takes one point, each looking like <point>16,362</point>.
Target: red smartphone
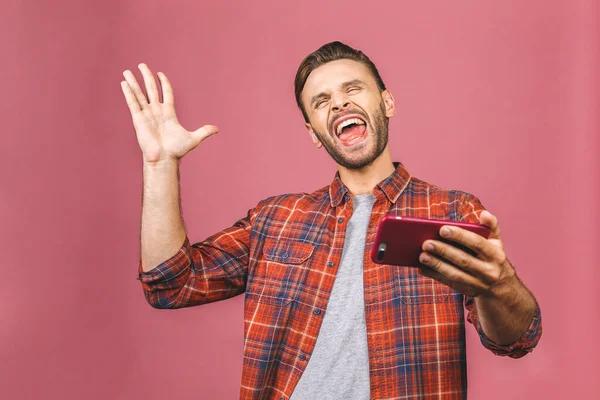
<point>400,239</point>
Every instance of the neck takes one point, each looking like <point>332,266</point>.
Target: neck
<point>362,181</point>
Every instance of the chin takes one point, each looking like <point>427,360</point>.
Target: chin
<point>368,156</point>
<point>358,162</point>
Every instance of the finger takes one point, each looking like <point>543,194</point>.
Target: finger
<point>472,240</point>
<point>426,271</point>
<point>459,258</point>
<point>489,220</point>
<point>204,132</point>
<point>132,103</point>
<point>139,95</point>
<point>452,276</point>
<point>464,289</point>
<point>150,83</point>
<point>167,89</point>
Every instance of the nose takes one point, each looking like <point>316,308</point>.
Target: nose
<point>339,103</point>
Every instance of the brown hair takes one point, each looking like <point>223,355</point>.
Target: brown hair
<point>330,52</point>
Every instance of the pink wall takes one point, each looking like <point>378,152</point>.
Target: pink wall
<point>500,99</point>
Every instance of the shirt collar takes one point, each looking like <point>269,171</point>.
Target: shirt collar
<point>392,186</point>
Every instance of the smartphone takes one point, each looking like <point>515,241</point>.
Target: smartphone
<point>400,239</point>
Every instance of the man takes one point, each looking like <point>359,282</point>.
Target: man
<point>322,321</point>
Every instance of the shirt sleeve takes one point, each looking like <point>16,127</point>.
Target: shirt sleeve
<point>470,209</point>
<point>204,272</point>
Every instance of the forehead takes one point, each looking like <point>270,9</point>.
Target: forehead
<point>330,76</point>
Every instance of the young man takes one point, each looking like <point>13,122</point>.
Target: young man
<point>321,319</point>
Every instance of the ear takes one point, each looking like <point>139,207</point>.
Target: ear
<point>314,137</point>
<point>390,105</point>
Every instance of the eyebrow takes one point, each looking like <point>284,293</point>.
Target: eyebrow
<point>344,85</point>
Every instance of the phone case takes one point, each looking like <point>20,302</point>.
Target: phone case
<point>399,239</point>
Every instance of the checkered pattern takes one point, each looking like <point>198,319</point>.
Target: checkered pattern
<point>284,256</point>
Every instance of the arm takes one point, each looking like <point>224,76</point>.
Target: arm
<point>162,230</point>
<point>163,142</point>
<point>174,273</point>
<point>506,310</point>
<point>167,265</point>
<point>212,270</point>
<point>503,310</point>
<point>525,343</point>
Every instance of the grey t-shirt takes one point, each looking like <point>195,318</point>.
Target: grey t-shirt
<point>339,365</point>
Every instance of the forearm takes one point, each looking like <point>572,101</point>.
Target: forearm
<point>506,314</point>
<point>162,230</point>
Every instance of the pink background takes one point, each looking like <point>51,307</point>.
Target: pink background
<point>497,98</point>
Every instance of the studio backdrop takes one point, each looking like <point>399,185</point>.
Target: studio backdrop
<point>499,99</point>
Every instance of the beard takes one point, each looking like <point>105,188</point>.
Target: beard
<point>379,126</point>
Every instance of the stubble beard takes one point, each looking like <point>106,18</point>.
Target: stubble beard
<point>380,127</point>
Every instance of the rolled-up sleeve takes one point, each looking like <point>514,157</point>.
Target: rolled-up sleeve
<point>470,209</point>
<point>212,270</point>
<point>525,344</point>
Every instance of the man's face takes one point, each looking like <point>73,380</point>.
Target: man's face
<point>347,113</point>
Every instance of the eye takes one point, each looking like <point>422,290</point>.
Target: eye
<point>353,89</point>
<point>319,103</point>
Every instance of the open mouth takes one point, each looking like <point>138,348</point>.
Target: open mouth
<point>351,130</point>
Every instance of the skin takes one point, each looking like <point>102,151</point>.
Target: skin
<point>163,142</point>
<point>504,304</point>
<point>366,164</point>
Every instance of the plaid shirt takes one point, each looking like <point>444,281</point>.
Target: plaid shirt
<point>284,256</point>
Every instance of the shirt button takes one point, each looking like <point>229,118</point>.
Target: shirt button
<point>346,197</point>
<point>316,311</point>
<point>330,264</point>
<point>340,220</point>
<point>284,254</point>
<point>302,357</point>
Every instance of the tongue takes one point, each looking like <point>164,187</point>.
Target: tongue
<point>352,132</point>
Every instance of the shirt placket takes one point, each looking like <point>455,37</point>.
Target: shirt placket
<point>373,309</point>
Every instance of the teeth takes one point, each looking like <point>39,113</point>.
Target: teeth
<point>347,122</point>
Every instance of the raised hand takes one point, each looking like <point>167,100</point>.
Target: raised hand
<point>158,131</point>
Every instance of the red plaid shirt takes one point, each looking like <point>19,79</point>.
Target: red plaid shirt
<point>284,256</point>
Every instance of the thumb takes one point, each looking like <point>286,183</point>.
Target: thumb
<point>202,133</point>
<point>488,219</point>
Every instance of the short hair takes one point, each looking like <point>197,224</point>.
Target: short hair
<point>330,52</point>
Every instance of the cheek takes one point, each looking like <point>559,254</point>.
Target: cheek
<point>376,105</point>
<point>320,121</point>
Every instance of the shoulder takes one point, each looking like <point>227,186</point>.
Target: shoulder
<point>444,203</point>
<point>418,186</point>
<point>295,201</point>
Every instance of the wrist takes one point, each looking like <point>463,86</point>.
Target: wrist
<point>509,293</point>
<point>505,283</point>
<point>160,164</point>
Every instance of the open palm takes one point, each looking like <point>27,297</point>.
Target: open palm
<point>159,133</point>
